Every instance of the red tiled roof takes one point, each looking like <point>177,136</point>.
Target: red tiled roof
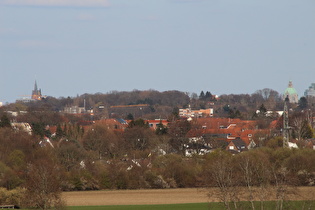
<point>244,129</point>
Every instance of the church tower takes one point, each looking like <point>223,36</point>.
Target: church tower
<point>36,93</point>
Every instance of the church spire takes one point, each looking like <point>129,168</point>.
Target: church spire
<point>36,93</point>
<point>35,86</point>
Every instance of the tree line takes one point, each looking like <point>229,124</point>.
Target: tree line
<point>162,103</point>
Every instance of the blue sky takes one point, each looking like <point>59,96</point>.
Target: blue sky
<point>87,46</point>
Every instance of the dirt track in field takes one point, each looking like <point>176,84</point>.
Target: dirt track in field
<point>154,196</point>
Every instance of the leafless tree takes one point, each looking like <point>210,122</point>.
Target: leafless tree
<point>254,167</point>
<point>246,164</point>
<point>222,175</point>
<point>101,139</point>
<point>43,184</point>
<point>297,124</point>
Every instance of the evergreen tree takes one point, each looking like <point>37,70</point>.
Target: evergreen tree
<point>303,103</point>
<point>208,96</point>
<point>130,117</point>
<point>308,132</point>
<point>262,110</point>
<point>138,123</point>
<point>5,121</point>
<point>202,95</point>
<point>160,129</point>
<point>59,132</point>
<point>39,129</point>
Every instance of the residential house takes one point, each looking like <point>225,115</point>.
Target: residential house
<point>237,145</point>
<point>153,124</point>
<point>117,124</point>
<point>228,129</point>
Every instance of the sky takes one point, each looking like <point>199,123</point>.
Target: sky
<point>72,47</point>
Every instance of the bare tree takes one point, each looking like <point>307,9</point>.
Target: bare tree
<point>297,124</point>
<point>222,175</point>
<point>302,125</point>
<point>246,165</point>
<point>43,184</point>
<point>101,139</point>
<point>254,167</point>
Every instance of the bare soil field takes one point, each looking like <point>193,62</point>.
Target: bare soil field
<point>158,196</point>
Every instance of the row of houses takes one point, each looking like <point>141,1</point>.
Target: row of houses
<point>234,135</point>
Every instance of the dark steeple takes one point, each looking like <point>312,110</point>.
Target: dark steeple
<point>35,86</point>
<point>36,93</point>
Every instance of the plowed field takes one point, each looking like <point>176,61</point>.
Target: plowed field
<point>155,196</point>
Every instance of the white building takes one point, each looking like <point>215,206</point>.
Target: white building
<point>310,91</point>
<point>189,113</point>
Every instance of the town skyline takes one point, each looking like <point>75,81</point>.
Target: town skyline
<point>37,93</point>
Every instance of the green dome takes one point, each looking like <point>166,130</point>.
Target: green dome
<point>291,93</point>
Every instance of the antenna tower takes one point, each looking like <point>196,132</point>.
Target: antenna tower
<point>286,128</point>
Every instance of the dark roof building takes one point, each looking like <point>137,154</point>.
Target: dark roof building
<point>236,145</point>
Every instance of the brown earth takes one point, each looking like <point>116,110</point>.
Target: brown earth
<point>158,196</point>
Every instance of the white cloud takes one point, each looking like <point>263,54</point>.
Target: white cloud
<point>66,3</point>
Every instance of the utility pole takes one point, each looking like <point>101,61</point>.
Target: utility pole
<point>286,128</point>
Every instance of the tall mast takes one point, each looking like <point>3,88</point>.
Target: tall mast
<point>285,131</point>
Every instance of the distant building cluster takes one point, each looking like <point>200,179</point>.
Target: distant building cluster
<point>74,110</point>
<point>310,91</point>
<point>189,113</point>
<point>235,135</point>
<point>291,94</point>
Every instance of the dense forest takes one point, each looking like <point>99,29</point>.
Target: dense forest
<point>33,170</point>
